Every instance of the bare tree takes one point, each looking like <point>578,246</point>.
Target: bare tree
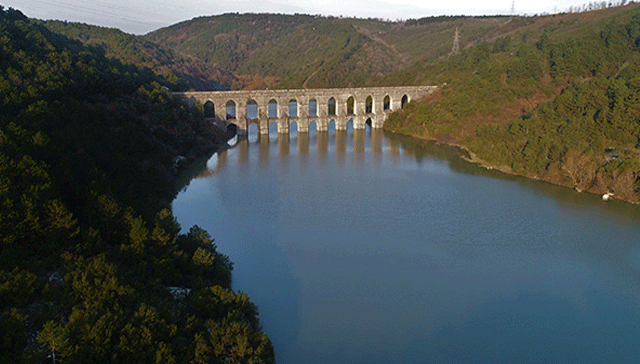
<point>580,168</point>
<point>625,186</point>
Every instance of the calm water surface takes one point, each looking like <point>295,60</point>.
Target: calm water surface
<point>360,247</point>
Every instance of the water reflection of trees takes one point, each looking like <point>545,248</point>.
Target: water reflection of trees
<point>196,169</point>
<point>391,147</point>
<point>381,143</point>
<point>565,197</point>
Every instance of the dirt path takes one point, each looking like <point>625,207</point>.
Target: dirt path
<point>404,58</point>
<point>304,84</point>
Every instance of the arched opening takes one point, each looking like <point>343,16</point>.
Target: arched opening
<point>209,109</point>
<point>331,127</point>
<point>313,107</point>
<point>293,129</point>
<point>293,108</point>
<point>313,127</point>
<point>405,99</point>
<point>232,130</point>
<point>252,109</point>
<point>230,108</point>
<point>368,105</point>
<point>272,109</point>
<point>212,163</point>
<point>386,103</point>
<point>331,107</point>
<point>351,105</point>
<point>368,124</point>
<point>252,133</point>
<point>349,125</point>
<point>273,131</point>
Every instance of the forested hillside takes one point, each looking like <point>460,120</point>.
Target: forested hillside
<point>281,50</point>
<point>248,51</point>
<point>181,72</point>
<point>557,101</point>
<point>93,269</point>
<point>294,51</point>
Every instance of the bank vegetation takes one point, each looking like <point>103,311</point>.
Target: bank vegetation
<point>562,107</point>
<point>93,266</point>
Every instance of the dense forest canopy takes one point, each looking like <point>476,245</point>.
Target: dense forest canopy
<point>561,107</point>
<point>93,268</point>
<point>293,51</point>
<point>180,71</point>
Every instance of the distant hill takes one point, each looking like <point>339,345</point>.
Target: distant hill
<point>553,98</point>
<point>292,51</point>
<point>180,71</point>
<point>519,30</point>
<point>255,51</point>
<point>286,51</point>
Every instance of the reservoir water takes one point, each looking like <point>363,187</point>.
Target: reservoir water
<point>362,247</point>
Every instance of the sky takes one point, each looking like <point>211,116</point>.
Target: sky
<point>143,16</point>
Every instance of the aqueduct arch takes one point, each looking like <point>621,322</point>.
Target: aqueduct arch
<point>313,106</point>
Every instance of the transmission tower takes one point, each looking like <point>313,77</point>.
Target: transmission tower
<point>513,7</point>
<point>456,43</point>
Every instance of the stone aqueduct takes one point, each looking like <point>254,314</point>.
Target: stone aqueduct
<point>304,106</point>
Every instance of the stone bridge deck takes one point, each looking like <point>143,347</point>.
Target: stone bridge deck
<point>304,106</point>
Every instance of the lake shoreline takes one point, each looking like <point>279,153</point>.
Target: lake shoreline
<point>342,247</point>
<point>468,155</point>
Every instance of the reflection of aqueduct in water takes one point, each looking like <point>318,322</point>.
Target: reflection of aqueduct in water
<point>370,105</point>
<point>359,144</point>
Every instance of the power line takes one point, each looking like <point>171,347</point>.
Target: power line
<point>98,12</point>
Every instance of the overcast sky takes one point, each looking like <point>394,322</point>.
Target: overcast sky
<point>143,16</point>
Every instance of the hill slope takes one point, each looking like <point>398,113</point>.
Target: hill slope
<point>284,50</point>
<point>552,100</point>
<point>291,51</point>
<point>181,72</point>
<point>93,268</point>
